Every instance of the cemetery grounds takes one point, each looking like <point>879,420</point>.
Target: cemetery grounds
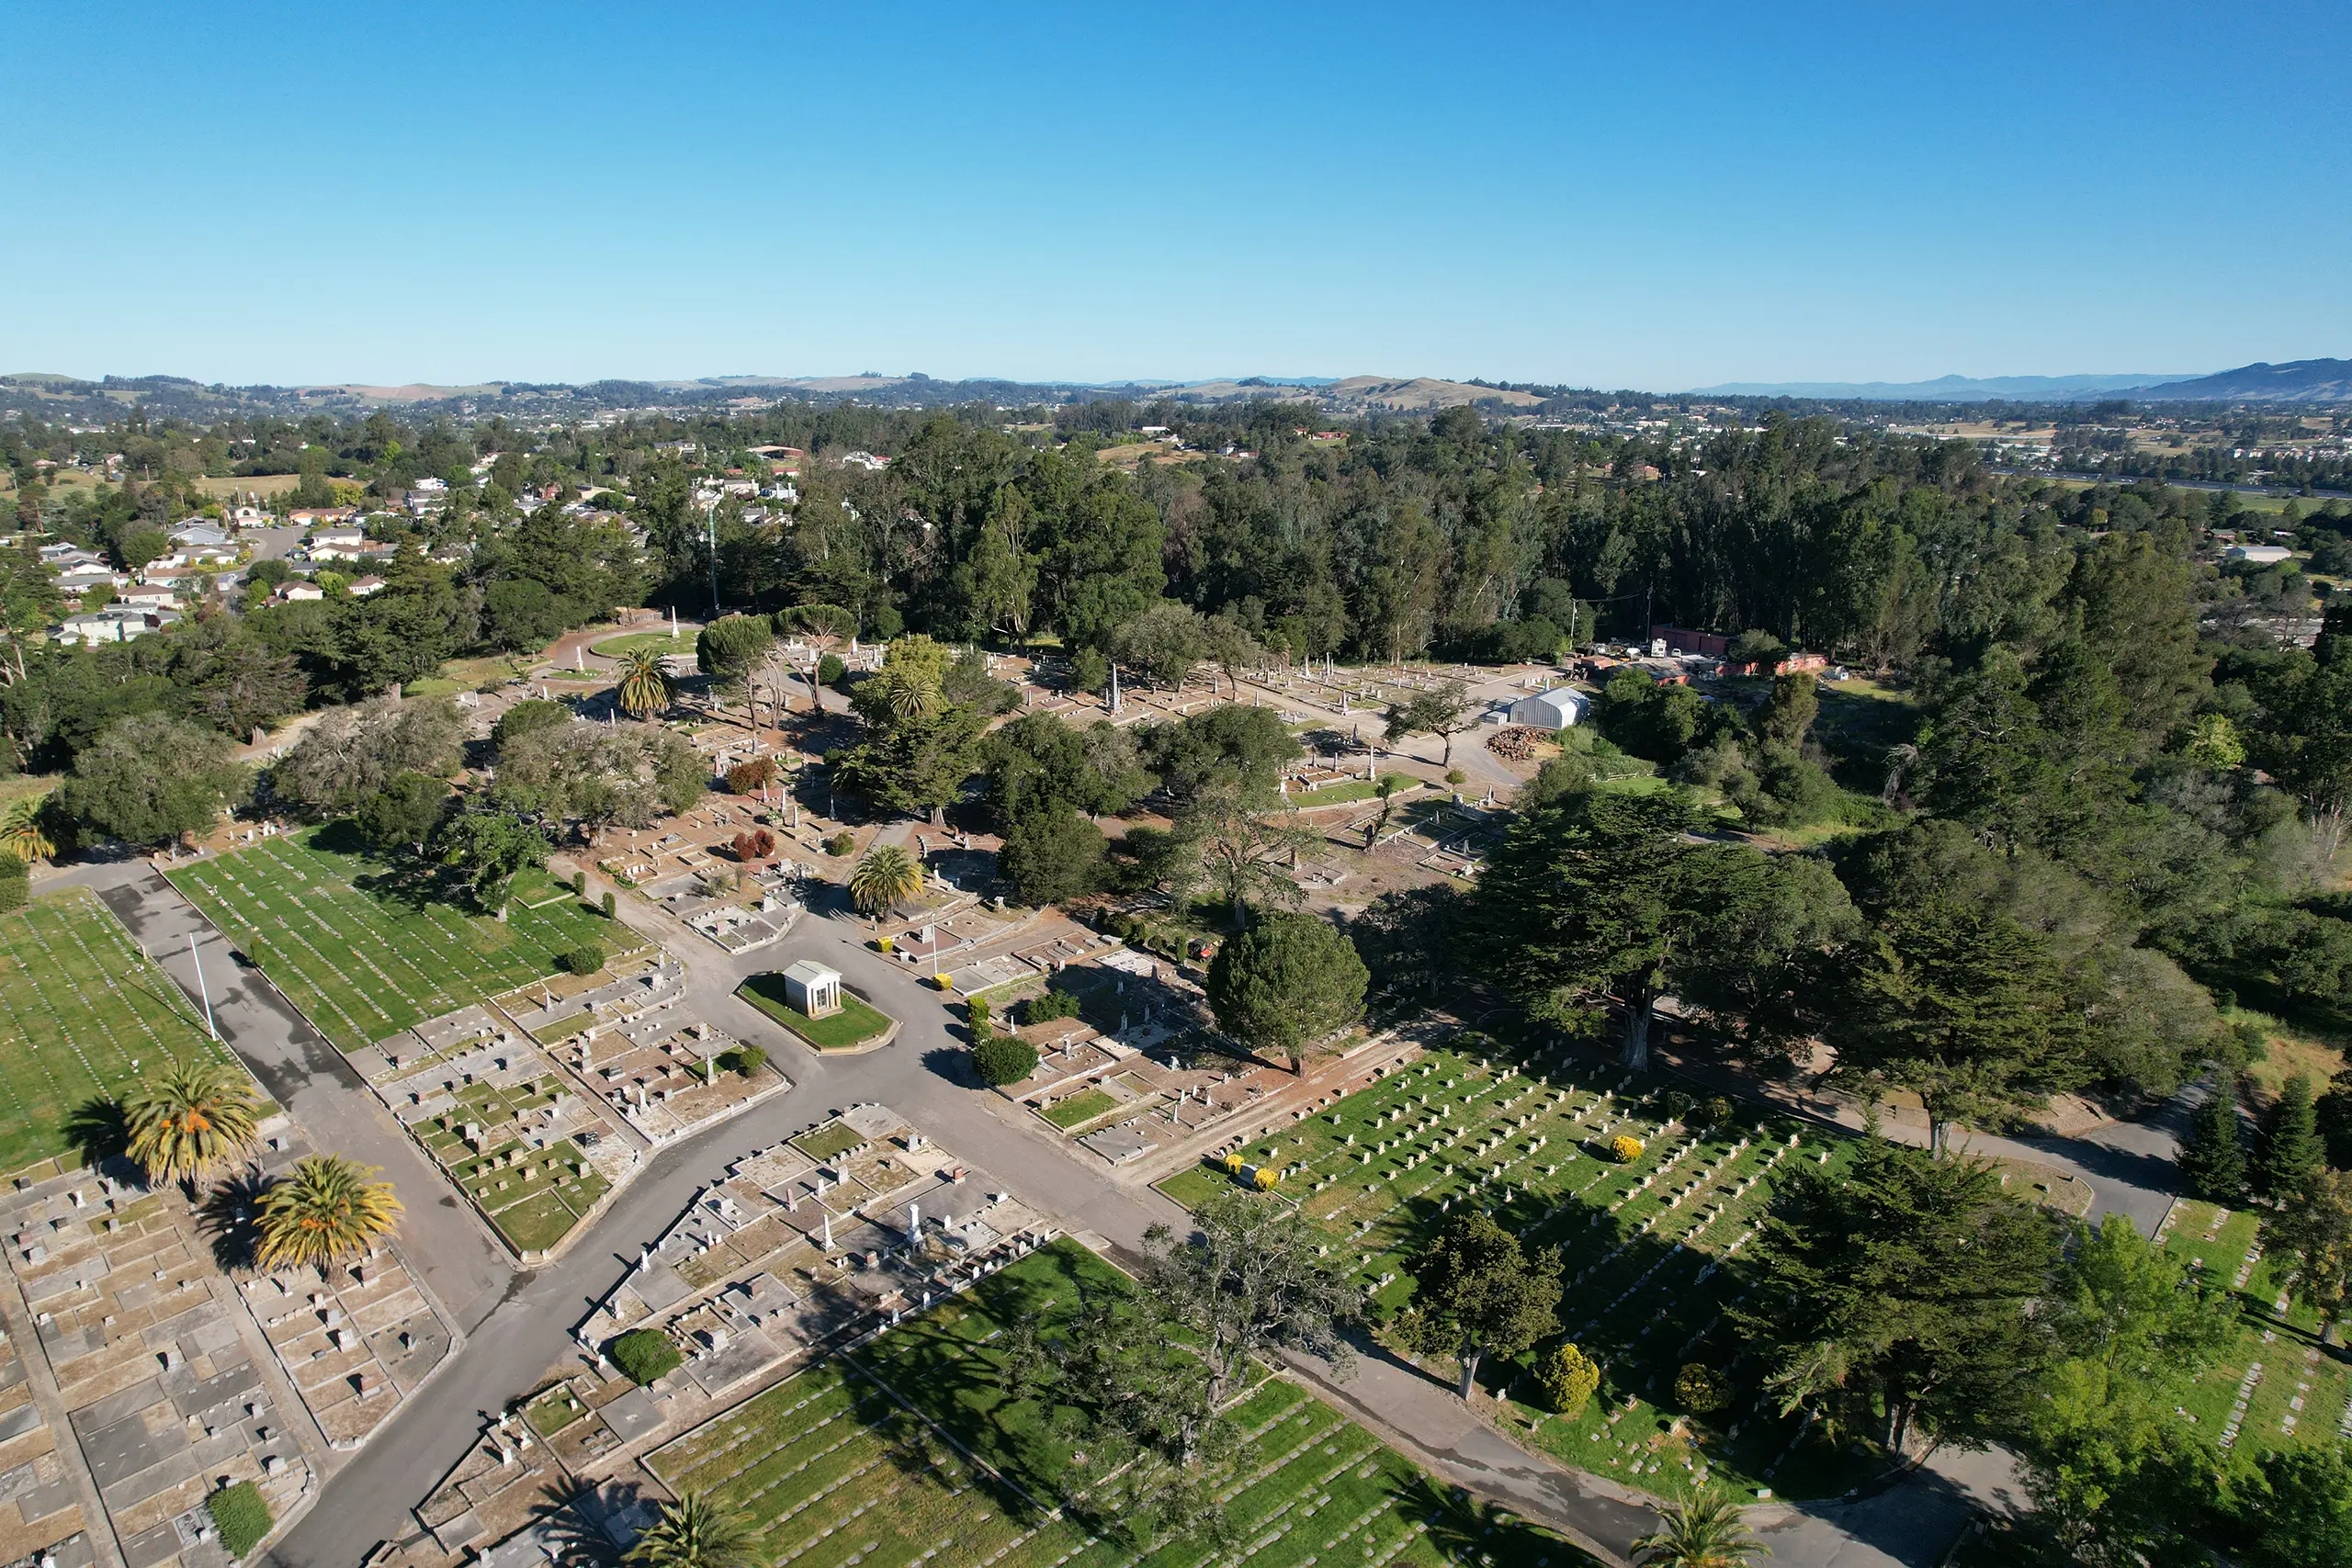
<point>82,1013</point>
<point>2272,1385</point>
<point>1647,1245</point>
<point>533,1196</point>
<point>906,1450</point>
<point>364,962</point>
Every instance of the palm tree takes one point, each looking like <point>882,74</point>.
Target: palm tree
<point>645,684</point>
<point>24,828</point>
<point>325,1212</point>
<point>695,1532</point>
<point>885,878</point>
<point>1699,1532</point>
<point>192,1119</point>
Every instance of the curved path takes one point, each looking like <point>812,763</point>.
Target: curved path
<point>518,1322</point>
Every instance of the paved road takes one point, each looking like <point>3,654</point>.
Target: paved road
<point>520,1323</point>
<point>465,1271</point>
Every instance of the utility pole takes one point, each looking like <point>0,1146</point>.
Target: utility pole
<point>202,991</point>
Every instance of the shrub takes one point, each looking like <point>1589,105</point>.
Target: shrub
<point>745,1059</point>
<point>839,845</point>
<point>1716,1113</point>
<point>1568,1377</point>
<point>645,1355</point>
<point>750,778</point>
<point>611,906</point>
<point>756,843</point>
<point>1051,1005</point>
<point>585,959</point>
<point>1090,671</point>
<point>241,1515</point>
<point>579,883</point>
<point>829,670</point>
<point>1456,777</point>
<point>1005,1058</point>
<point>976,1014</point>
<point>1625,1148</point>
<point>1700,1389</point>
<point>15,883</point>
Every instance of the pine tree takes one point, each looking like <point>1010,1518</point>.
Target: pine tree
<point>2290,1146</point>
<point>2213,1158</point>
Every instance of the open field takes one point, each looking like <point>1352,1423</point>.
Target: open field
<point>907,1450</point>
<point>253,484</point>
<point>359,949</point>
<point>1647,1244</point>
<point>2272,1385</point>
<point>82,1013</point>
<point>855,1025</point>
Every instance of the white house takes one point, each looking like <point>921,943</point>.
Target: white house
<point>2260,555</point>
<point>296,593</point>
<point>1559,708</point>
<point>363,586</point>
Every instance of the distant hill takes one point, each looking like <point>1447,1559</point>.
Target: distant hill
<point>1944,389</point>
<point>2302,381</point>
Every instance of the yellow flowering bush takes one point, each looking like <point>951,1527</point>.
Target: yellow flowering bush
<point>1625,1148</point>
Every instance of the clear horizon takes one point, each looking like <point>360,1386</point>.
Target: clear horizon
<point>1825,194</point>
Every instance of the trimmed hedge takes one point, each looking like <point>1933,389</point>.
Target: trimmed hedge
<point>241,1515</point>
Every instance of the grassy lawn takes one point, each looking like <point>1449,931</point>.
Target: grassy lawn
<point>1650,1244</point>
<point>554,1410</point>
<point>534,1196</point>
<point>360,953</point>
<point>1080,1109</point>
<point>2272,1376</point>
<point>79,1004</point>
<point>627,642</point>
<point>825,1142</point>
<point>909,1450</point>
<point>1355,789</point>
<point>855,1025</point>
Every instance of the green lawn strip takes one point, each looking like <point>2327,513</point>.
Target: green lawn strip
<point>79,1004</point>
<point>2294,1366</point>
<point>1080,1109</point>
<point>826,1141</point>
<point>614,646</point>
<point>364,964</point>
<point>855,1025</point>
<point>553,1411</point>
<point>832,1467</point>
<point>1526,1145</point>
<point>1355,789</point>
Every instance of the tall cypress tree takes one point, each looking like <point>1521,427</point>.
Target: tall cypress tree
<point>2290,1146</point>
<point>2211,1158</point>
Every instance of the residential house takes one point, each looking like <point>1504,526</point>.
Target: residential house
<point>116,623</point>
<point>335,544</point>
<point>296,591</point>
<point>361,587</point>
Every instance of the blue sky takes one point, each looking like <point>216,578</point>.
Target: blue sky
<point>1649,196</point>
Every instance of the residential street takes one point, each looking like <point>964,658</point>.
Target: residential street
<point>518,1322</point>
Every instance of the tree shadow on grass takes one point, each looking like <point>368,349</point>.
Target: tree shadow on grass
<point>99,1131</point>
<point>1466,1529</point>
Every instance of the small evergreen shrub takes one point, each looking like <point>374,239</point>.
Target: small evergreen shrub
<point>1568,1377</point>
<point>1004,1059</point>
<point>745,1059</point>
<point>585,959</point>
<point>242,1516</point>
<point>645,1355</point>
